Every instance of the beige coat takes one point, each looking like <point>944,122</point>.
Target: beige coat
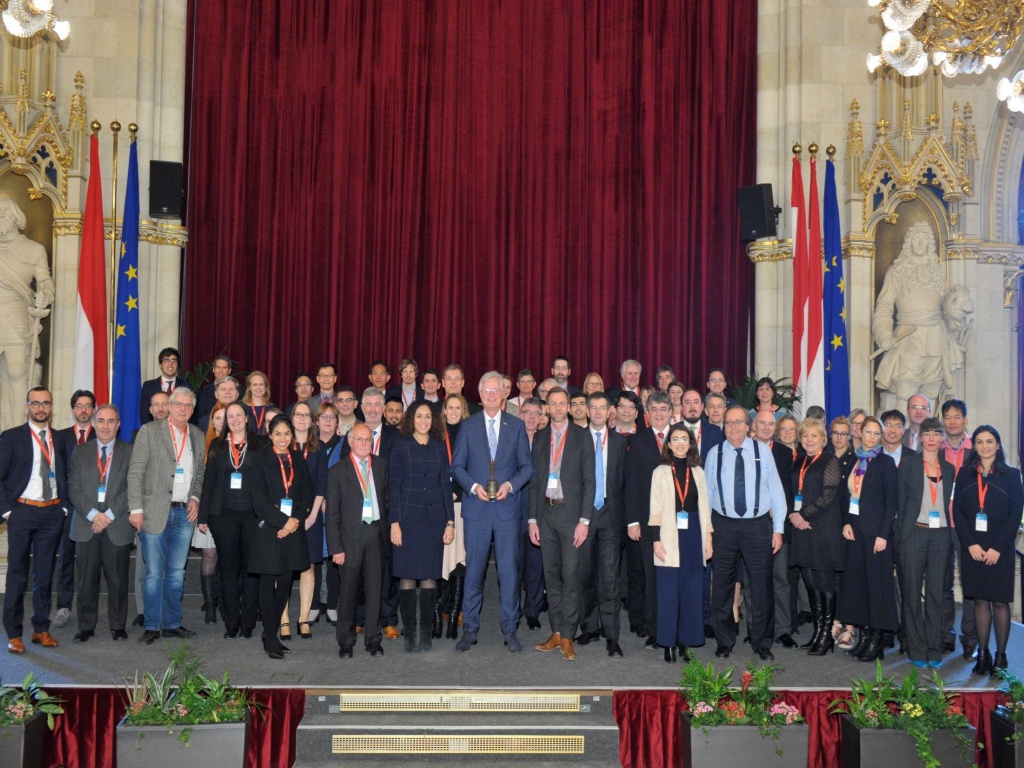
<point>663,512</point>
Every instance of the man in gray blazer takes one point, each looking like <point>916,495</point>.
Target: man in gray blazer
<point>165,481</point>
<point>98,488</point>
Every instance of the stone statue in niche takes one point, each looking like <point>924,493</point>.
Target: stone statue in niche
<point>26,292</point>
<point>920,327</point>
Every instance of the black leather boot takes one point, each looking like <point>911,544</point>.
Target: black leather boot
<point>457,583</point>
<point>209,587</point>
<point>407,606</point>
<point>814,598</point>
<point>984,665</point>
<point>437,627</point>
<point>428,600</point>
<point>825,642</point>
<point>862,640</point>
<point>875,649</point>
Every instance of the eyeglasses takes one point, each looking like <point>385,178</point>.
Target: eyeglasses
<point>918,407</point>
<point>659,409</point>
<point>490,391</point>
<point>894,425</point>
<point>837,433</point>
<point>84,407</point>
<point>531,413</point>
<point>741,422</point>
<point>176,404</point>
<point>361,439</point>
<point>716,381</point>
<point>327,417</point>
<point>40,403</point>
<point>301,416</point>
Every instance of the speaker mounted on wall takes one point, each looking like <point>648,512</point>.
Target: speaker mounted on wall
<point>758,214</point>
<point>165,192</point>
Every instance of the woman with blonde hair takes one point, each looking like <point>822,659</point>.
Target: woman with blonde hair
<point>256,400</point>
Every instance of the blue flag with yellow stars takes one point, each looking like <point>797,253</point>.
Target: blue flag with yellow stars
<point>837,355</point>
<point>127,387</point>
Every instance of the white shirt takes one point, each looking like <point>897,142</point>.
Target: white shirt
<point>180,492</point>
<point>34,489</point>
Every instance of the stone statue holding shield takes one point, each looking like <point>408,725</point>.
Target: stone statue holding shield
<point>920,347</point>
<point>26,292</point>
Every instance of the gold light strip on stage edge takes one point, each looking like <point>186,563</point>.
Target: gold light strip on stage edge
<point>562,745</point>
<point>459,702</point>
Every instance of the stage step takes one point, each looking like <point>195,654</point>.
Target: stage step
<point>463,726</point>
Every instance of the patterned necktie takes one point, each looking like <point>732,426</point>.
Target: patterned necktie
<point>44,468</point>
<point>739,489</point>
<point>599,472</point>
<point>81,436</point>
<point>492,437</point>
<point>103,456</point>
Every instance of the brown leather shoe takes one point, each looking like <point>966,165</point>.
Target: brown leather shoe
<point>44,639</point>
<point>551,643</point>
<point>568,651</point>
<point>392,633</point>
<point>15,645</point>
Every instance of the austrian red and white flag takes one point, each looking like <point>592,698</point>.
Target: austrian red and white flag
<point>812,388</point>
<point>90,371</point>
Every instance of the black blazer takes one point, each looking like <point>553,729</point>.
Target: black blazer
<point>643,458</point>
<point>613,511</point>
<point>879,499</point>
<point>576,473</point>
<point>710,436</point>
<point>16,465</point>
<point>396,391</point>
<point>1004,504</point>
<point>267,495</point>
<point>217,480</point>
<point>150,388</point>
<point>345,507</point>
<point>911,488</point>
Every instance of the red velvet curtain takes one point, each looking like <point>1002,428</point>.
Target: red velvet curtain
<point>493,183</point>
<point>649,725</point>
<point>83,737</point>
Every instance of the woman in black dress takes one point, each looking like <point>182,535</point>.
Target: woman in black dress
<point>284,498</point>
<point>842,448</point>
<point>869,584</point>
<point>226,511</point>
<point>422,518</point>
<point>326,424</point>
<point>987,504</point>
<point>816,542</point>
<point>256,399</point>
<point>453,570</point>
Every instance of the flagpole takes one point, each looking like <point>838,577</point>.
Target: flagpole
<point>115,127</point>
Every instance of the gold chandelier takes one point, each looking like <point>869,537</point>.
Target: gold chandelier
<point>957,36</point>
<point>27,18</point>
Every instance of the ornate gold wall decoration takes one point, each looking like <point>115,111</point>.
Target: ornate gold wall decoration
<point>770,250</point>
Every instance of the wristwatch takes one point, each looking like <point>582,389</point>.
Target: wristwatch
<point>585,521</point>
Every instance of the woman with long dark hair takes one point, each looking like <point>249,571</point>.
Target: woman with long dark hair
<point>681,520</point>
<point>988,501</point>
<point>868,585</point>
<point>453,571</point>
<point>422,517</point>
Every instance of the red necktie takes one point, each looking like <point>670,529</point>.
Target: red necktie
<point>81,436</point>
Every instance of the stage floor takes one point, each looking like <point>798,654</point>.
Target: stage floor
<point>314,663</point>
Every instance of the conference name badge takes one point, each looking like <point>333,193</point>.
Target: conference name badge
<point>286,506</point>
<point>855,507</point>
<point>682,521</point>
<point>798,503</point>
<point>367,511</point>
<point>101,494</point>
<point>553,481</point>
<point>981,523</point>
<point>236,481</point>
<point>933,519</point>
<point>179,475</point>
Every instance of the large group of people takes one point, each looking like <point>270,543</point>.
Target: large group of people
<point>676,504</point>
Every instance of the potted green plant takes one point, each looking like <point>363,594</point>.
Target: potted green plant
<point>909,724</point>
<point>739,725</point>
<point>25,714</point>
<point>1007,722</point>
<point>183,716</point>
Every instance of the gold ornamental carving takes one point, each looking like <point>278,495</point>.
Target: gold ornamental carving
<point>762,251</point>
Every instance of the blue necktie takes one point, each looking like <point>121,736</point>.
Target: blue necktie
<point>492,438</point>
<point>599,473</point>
<point>739,488</point>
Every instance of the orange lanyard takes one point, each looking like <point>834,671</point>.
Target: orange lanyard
<point>933,486</point>
<point>679,491</point>
<point>659,441</point>
<point>237,453</point>
<point>184,439</point>
<point>47,454</point>
<point>858,480</point>
<point>376,443</point>
<point>803,471</point>
<point>364,484</point>
<point>103,467</point>
<point>259,416</point>
<point>982,491</point>
<point>405,403</point>
<point>305,449</point>
<point>448,445</point>
<point>556,453</point>
<point>287,481</point>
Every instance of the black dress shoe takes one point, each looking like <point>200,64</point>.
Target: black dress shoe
<point>533,622</point>
<point>586,638</point>
<point>613,649</point>
<point>275,655</point>
<point>786,641</point>
<point>640,630</point>
<point>139,620</point>
<point>970,651</point>
<point>709,631</point>
<point>948,646</point>
<point>119,634</point>
<point>179,632</point>
<point>150,636</point>
<point>246,634</point>
<point>375,650</point>
<point>231,633</point>
<point>84,635</point>
<point>723,651</point>
<point>344,653</point>
<point>765,654</point>
<point>651,644</point>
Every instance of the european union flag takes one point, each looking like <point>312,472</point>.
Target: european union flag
<point>127,360</point>
<point>837,356</point>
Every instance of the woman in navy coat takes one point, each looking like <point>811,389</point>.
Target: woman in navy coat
<point>422,518</point>
<point>987,504</point>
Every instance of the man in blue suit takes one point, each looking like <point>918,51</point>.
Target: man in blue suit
<point>486,437</point>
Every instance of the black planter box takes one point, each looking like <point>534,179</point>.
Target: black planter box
<point>23,744</point>
<point>1007,740</point>
<point>873,747</point>
<point>152,746</point>
<point>728,746</point>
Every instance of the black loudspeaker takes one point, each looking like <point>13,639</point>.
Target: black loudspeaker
<point>757,212</point>
<point>165,190</point>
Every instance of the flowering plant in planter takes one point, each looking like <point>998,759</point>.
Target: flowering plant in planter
<point>182,697</point>
<point>912,707</point>
<point>712,702</point>
<point>20,704</point>
<point>1013,688</point>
